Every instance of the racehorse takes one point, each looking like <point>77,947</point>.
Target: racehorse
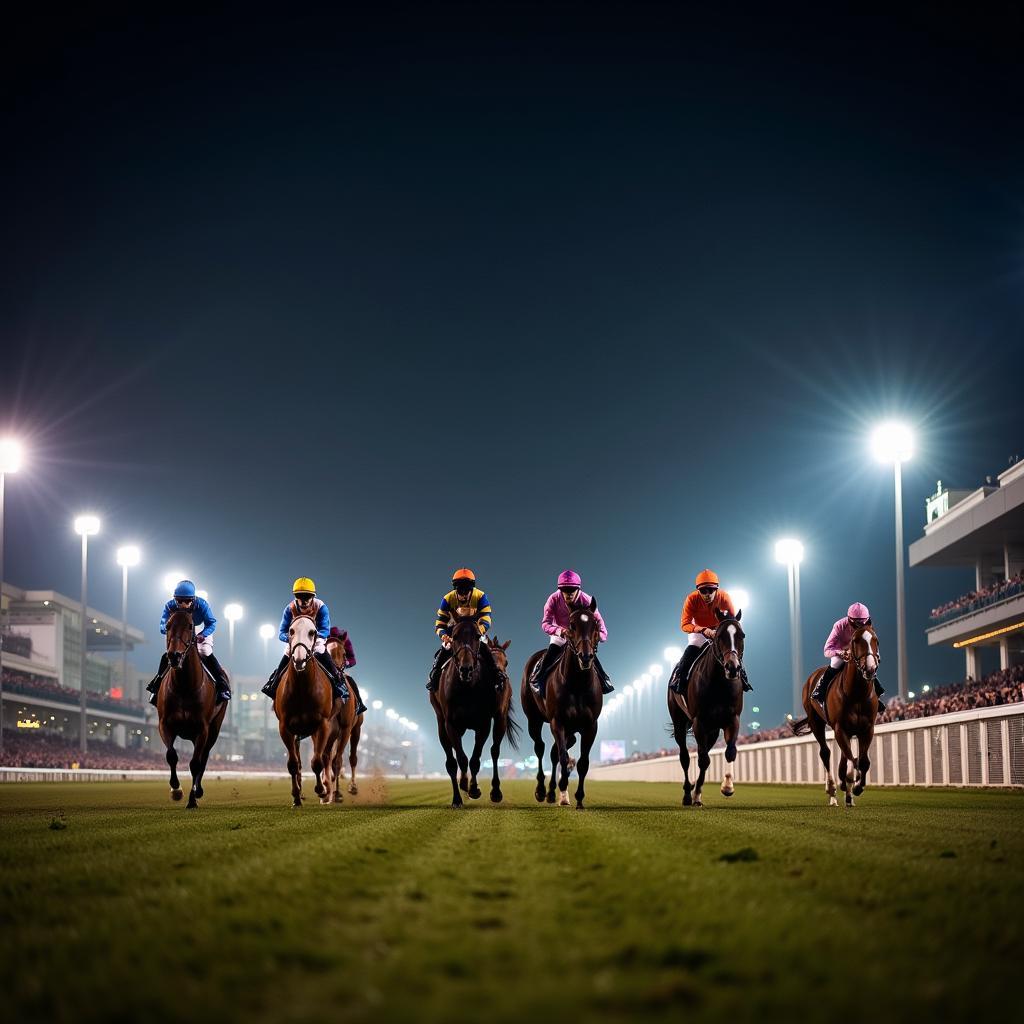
<point>350,725</point>
<point>187,704</point>
<point>572,705</point>
<point>305,706</point>
<point>851,707</point>
<point>713,704</point>
<point>466,699</point>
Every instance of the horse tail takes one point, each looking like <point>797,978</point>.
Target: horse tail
<point>512,728</point>
<point>800,727</point>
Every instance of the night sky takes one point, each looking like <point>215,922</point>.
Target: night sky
<point>516,287</point>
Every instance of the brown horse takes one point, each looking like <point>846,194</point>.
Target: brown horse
<point>305,706</point>
<point>713,704</point>
<point>572,705</point>
<point>851,707</point>
<point>467,699</point>
<point>350,725</point>
<point>187,704</point>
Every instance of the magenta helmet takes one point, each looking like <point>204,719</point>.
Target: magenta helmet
<point>858,611</point>
<point>570,579</point>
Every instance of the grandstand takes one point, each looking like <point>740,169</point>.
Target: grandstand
<point>982,530</point>
<point>42,670</point>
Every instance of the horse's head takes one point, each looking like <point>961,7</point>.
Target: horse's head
<point>180,636</point>
<point>584,634</point>
<point>728,643</point>
<point>499,652</point>
<point>301,640</point>
<point>864,651</point>
<point>466,647</point>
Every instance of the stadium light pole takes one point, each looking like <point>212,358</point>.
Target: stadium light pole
<point>86,526</point>
<point>10,462</point>
<point>893,443</point>
<point>266,634</point>
<point>127,556</point>
<point>790,553</point>
<point>233,613</point>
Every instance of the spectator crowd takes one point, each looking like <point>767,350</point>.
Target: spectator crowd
<point>976,600</point>
<point>46,689</point>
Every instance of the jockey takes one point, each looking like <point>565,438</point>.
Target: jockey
<point>186,599</point>
<point>340,636</point>
<point>555,622</point>
<point>837,650</point>
<point>307,604</point>
<point>700,620</point>
<point>464,599</point>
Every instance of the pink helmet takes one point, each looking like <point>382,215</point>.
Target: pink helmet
<point>569,578</point>
<point>858,611</point>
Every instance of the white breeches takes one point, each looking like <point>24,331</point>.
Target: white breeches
<point>204,645</point>
<point>836,662</point>
<point>696,640</point>
<point>557,641</point>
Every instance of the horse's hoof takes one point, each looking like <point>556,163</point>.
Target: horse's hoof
<point>857,790</point>
<point>849,802</point>
<point>496,796</point>
<point>550,798</point>
<point>199,793</point>
<point>539,794</point>
<point>338,798</point>
<point>176,794</point>
<point>460,806</point>
<point>191,806</point>
<point>579,806</point>
<point>687,800</point>
<point>297,803</point>
<point>728,792</point>
<point>475,793</point>
<point>353,789</point>
<point>833,802</point>
<point>698,803</point>
<point>464,785</point>
<point>563,800</point>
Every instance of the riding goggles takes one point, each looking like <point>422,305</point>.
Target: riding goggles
<point>706,590</point>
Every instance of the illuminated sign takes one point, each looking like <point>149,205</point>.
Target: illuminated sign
<point>987,636</point>
<point>116,692</point>
<point>26,723</point>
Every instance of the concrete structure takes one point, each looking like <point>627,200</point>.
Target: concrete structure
<point>983,530</point>
<point>42,663</point>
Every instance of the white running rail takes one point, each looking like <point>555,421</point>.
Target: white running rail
<point>984,747</point>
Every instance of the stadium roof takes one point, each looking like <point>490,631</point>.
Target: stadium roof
<point>983,524</point>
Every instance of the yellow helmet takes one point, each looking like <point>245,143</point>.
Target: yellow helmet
<point>303,585</point>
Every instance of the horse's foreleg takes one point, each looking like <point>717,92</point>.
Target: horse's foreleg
<point>195,766</point>
<point>497,736</point>
<point>863,762</point>
<point>450,763</point>
<point>703,762</point>
<point>587,736</point>
<point>211,739</point>
<point>730,733</point>
<point>536,730</point>
<point>291,744</point>
<point>474,761</point>
<point>553,779</point>
<point>172,763</point>
<point>455,739</point>
<point>824,752</point>
<point>847,762</point>
<point>320,761</point>
<point>679,731</point>
<point>562,748</point>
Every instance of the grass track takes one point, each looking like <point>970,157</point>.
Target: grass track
<point>394,907</point>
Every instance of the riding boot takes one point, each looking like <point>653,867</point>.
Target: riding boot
<point>338,683</point>
<point>746,682</point>
<point>440,660</point>
<point>682,671</point>
<point>544,667</point>
<point>820,690</point>
<point>220,677</point>
<point>606,683</point>
<point>270,686</point>
<point>879,690</point>
<point>360,706</point>
<point>153,686</point>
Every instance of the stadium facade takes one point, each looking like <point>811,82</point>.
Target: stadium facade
<point>981,529</point>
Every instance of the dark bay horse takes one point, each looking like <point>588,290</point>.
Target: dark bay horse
<point>713,704</point>
<point>187,705</point>
<point>466,699</point>
<point>350,725</point>
<point>851,707</point>
<point>572,705</point>
<point>305,706</point>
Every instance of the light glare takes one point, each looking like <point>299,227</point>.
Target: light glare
<point>789,551</point>
<point>128,556</point>
<point>892,442</point>
<point>11,454</point>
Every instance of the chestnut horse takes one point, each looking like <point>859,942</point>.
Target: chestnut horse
<point>851,707</point>
<point>305,706</point>
<point>467,699</point>
<point>713,704</point>
<point>187,705</point>
<point>350,725</point>
<point>572,705</point>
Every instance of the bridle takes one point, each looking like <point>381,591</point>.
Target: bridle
<point>181,655</point>
<point>575,650</point>
<point>861,662</point>
<point>297,644</point>
<point>716,651</point>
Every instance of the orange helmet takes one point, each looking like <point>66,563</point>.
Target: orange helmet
<point>707,578</point>
<point>464,574</point>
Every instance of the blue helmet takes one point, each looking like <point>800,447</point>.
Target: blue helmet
<point>186,588</point>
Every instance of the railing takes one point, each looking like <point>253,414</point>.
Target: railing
<point>984,747</point>
<point>979,604</point>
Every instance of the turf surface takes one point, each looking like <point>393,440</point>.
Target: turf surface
<point>119,905</point>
